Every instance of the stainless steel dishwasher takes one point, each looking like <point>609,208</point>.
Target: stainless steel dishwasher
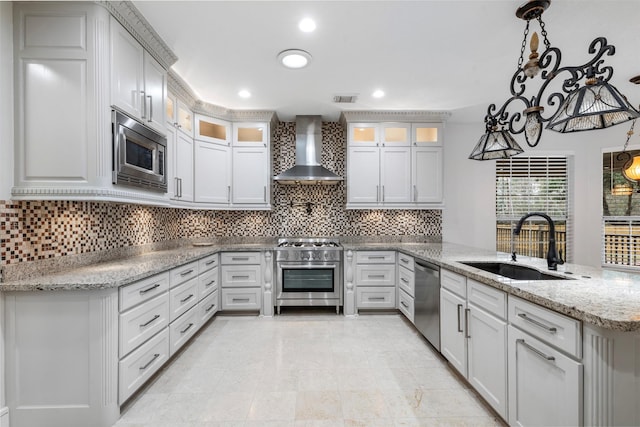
<point>427,301</point>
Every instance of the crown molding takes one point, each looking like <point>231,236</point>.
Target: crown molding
<point>394,116</point>
<point>177,86</point>
<point>134,22</point>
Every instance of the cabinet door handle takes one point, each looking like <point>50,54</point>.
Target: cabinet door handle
<point>405,260</point>
<point>143,106</point>
<point>187,328</point>
<point>185,273</point>
<point>182,301</point>
<point>149,289</point>
<point>467,311</point>
<point>146,365</point>
<point>240,300</point>
<point>402,279</point>
<point>153,319</point>
<point>228,193</point>
<point>150,108</point>
<point>176,189</point>
<point>265,194</point>
<point>549,329</point>
<point>404,305</point>
<point>210,283</point>
<point>535,350</point>
<point>460,318</point>
<point>208,309</point>
<point>415,193</point>
<point>383,193</point>
<point>377,193</point>
<point>210,262</point>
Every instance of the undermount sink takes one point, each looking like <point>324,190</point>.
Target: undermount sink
<point>513,271</point>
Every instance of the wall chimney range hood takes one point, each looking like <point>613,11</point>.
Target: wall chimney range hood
<point>308,170</point>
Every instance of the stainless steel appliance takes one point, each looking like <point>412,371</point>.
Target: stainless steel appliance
<point>139,154</point>
<point>427,301</point>
<point>308,273</point>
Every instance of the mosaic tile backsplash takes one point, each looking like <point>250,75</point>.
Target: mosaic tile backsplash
<point>38,230</point>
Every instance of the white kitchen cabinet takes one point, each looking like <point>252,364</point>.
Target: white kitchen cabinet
<point>178,115</point>
<point>183,185</point>
<point>406,285</point>
<point>394,165</point>
<point>138,81</point>
<point>375,280</point>
<point>473,335</point>
<point>251,180</point>
<point>545,369</point>
<point>241,280</point>
<point>212,130</point>
<point>250,134</point>
<point>212,173</point>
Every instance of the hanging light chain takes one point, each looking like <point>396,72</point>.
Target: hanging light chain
<point>543,31</point>
<point>629,133</point>
<point>524,46</point>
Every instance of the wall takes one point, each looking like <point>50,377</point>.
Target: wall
<point>40,230</point>
<point>470,189</point>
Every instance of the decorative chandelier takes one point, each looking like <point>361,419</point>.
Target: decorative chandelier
<point>595,105</point>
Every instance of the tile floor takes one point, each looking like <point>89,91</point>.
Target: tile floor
<point>302,370</point>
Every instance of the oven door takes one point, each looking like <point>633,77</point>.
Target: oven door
<point>315,281</point>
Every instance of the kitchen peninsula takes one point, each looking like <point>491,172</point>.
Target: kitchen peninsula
<point>603,304</point>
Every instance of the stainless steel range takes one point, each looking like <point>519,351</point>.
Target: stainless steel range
<point>308,273</point>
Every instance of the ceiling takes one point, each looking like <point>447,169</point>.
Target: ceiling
<point>446,55</point>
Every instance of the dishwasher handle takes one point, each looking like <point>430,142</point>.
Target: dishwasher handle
<point>427,267</point>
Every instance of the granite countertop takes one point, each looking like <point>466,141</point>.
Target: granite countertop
<point>609,299</point>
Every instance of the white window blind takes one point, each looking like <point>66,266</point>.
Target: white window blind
<point>532,184</point>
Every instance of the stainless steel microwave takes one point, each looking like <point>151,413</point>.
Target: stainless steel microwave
<point>139,154</point>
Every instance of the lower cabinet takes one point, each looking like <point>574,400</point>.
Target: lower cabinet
<point>406,285</point>
<point>241,281</point>
<point>473,335</point>
<point>375,280</point>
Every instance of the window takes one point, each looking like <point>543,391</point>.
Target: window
<point>620,213</point>
<point>532,184</point>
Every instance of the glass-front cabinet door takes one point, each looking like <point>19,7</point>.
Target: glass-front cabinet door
<point>184,119</point>
<point>250,134</point>
<point>395,134</point>
<point>426,134</point>
<point>364,134</point>
<point>212,130</point>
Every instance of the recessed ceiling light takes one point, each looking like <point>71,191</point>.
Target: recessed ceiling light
<point>244,94</point>
<point>307,25</point>
<point>378,93</point>
<point>294,58</point>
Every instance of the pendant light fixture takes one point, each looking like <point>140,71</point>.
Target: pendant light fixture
<point>594,104</point>
<point>495,144</point>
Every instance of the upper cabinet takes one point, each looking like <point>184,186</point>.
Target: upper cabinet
<point>209,129</point>
<point>394,164</point>
<point>250,134</point>
<point>138,81</point>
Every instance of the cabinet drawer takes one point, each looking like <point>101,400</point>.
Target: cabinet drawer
<point>142,290</point>
<point>207,283</point>
<point>142,322</point>
<point>405,304</point>
<point>406,261</point>
<point>183,273</point>
<point>140,365</point>
<point>553,328</point>
<point>376,297</point>
<point>491,300</point>
<point>241,299</point>
<point>407,280</point>
<point>182,298</point>
<point>208,307</point>
<point>375,275</point>
<point>182,329</point>
<point>240,276</point>
<point>244,258</point>
<point>375,257</point>
<point>207,263</point>
<point>454,282</point>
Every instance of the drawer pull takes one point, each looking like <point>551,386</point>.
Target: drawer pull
<point>549,329</point>
<point>402,279</point>
<point>405,260</point>
<point>208,309</point>
<point>187,328</point>
<point>535,350</point>
<point>150,288</point>
<point>210,262</point>
<point>240,277</point>
<point>210,283</point>
<point>240,300</point>
<point>459,318</point>
<point>376,257</point>
<point>376,276</point>
<point>153,319</point>
<point>240,258</point>
<point>377,298</point>
<point>153,359</point>
<point>185,273</point>
<point>182,301</point>
<point>404,304</point>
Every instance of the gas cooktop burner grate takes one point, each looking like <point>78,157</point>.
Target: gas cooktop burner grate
<point>308,243</point>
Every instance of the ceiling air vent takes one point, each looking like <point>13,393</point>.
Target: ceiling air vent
<point>345,99</point>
